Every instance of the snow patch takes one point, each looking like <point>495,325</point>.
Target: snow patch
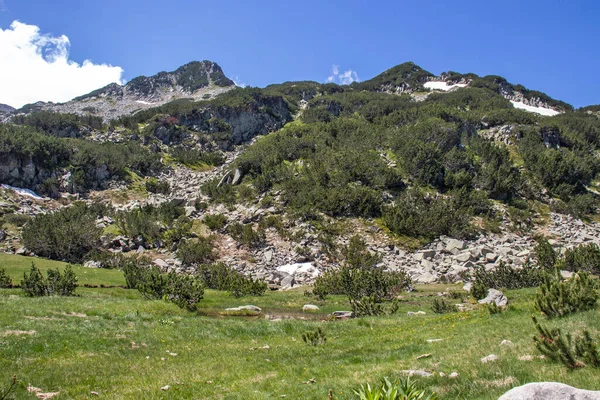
<point>293,269</point>
<point>23,192</point>
<point>442,86</point>
<point>540,110</point>
<point>143,102</point>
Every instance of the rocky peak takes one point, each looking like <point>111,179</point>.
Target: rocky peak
<point>197,79</point>
<point>404,78</point>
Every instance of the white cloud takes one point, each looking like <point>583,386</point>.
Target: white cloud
<point>345,78</point>
<point>238,82</point>
<point>36,67</point>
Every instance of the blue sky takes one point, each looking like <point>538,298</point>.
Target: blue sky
<point>547,45</point>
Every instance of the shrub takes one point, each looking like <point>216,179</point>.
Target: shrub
<point>215,222</point>
<point>400,389</point>
<point>545,254</point>
<point>558,298</point>
<point>193,252</point>
<point>417,216</point>
<point>314,338</point>
<point>239,285</point>
<point>185,291</point>
<point>585,257</point>
<point>572,352</point>
<point>360,277</point>
<point>154,186</point>
<point>5,281</point>
<point>508,277</point>
<point>479,289</point>
<point>34,284</point>
<point>221,277</point>
<point>493,308</point>
<point>245,234</point>
<point>61,284</point>
<point>441,306</point>
<point>67,234</point>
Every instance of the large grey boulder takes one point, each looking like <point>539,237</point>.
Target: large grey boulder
<point>495,296</point>
<point>549,391</point>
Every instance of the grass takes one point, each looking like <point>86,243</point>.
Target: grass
<point>16,265</point>
<point>118,344</point>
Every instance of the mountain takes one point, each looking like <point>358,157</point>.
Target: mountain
<point>467,169</point>
<point>6,109</point>
<point>195,80</point>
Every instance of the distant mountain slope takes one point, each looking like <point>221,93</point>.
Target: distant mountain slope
<point>197,80</point>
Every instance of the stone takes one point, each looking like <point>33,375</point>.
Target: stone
<point>464,257</point>
<point>246,307</point>
<point>268,256</point>
<point>2,235</point>
<point>416,372</point>
<point>491,257</point>
<point>342,314</point>
<point>416,313</point>
<point>549,391</point>
<point>426,278</point>
<point>495,296</point>
<point>566,274</point>
<point>488,359</point>
<point>454,244</point>
<point>310,307</point>
<point>92,264</point>
<point>287,282</point>
<point>159,262</point>
<point>506,343</point>
<point>467,287</point>
<point>453,375</point>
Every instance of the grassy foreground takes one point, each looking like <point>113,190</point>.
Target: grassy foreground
<point>121,346</point>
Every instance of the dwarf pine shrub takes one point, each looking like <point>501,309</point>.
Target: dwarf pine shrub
<point>314,338</point>
<point>5,281</point>
<point>441,306</point>
<point>55,284</point>
<point>557,297</point>
<point>572,351</point>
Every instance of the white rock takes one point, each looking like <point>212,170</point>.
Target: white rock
<point>416,372</point>
<point>310,307</point>
<point>412,314</point>
<point>495,296</point>
<point>490,358</point>
<point>549,391</point>
<point>506,343</point>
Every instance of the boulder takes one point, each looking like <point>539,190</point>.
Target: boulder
<point>310,307</point>
<point>247,307</point>
<point>454,244</point>
<point>342,314</point>
<point>549,391</point>
<point>495,296</point>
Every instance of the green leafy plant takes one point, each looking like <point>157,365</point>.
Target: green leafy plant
<point>314,338</point>
<point>399,389</point>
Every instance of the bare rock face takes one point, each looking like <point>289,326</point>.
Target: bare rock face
<point>549,391</point>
